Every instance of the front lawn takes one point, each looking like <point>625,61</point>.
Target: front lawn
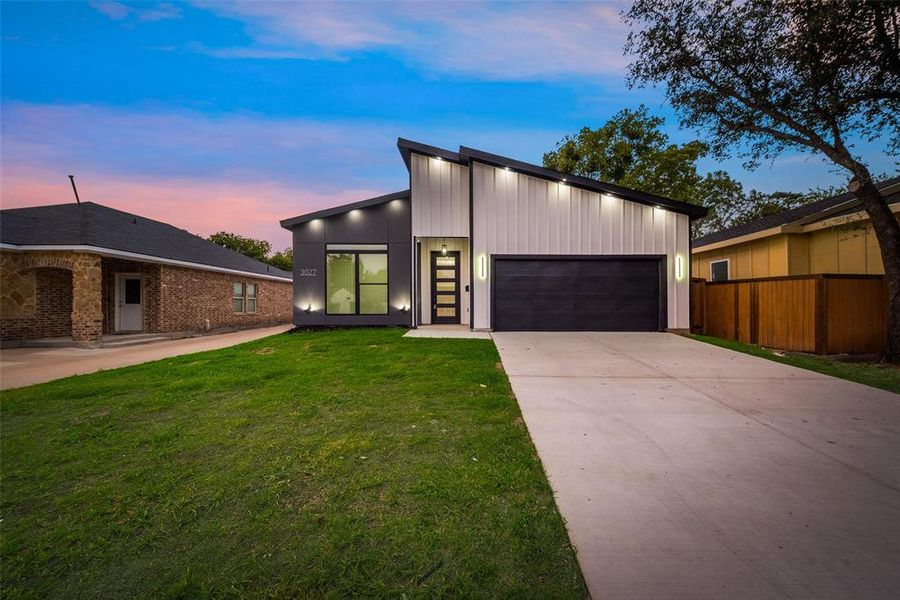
<point>315,464</point>
<point>877,375</point>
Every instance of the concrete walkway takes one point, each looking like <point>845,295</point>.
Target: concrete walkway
<point>28,366</point>
<point>447,331</point>
<point>685,470</point>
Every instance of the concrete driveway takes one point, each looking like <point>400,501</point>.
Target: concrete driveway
<point>690,471</point>
<point>27,366</point>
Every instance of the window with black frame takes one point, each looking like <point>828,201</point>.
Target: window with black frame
<point>356,280</point>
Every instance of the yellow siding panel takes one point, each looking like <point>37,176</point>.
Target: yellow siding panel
<point>874,265</point>
<point>741,263</point>
<point>823,251</point>
<point>851,248</point>
<point>759,258</point>
<point>778,255</point>
<point>798,251</point>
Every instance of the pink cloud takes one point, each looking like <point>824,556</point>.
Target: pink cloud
<point>119,11</point>
<point>502,41</point>
<point>251,208</point>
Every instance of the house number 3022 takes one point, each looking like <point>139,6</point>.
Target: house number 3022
<point>308,273</point>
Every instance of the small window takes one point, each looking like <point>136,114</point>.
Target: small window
<point>251,297</point>
<point>238,297</point>
<point>718,270</point>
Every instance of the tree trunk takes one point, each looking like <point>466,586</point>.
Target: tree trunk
<point>887,231</point>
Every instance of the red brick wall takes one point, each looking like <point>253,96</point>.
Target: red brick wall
<point>189,297</point>
<point>52,315</point>
<point>150,273</point>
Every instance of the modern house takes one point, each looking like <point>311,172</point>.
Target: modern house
<point>832,235</point>
<point>494,243</point>
<point>86,270</point>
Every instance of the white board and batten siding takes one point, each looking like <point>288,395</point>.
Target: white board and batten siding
<point>440,197</point>
<point>515,213</point>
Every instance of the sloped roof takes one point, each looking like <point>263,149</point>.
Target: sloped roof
<point>328,212</point>
<point>792,215</point>
<point>91,224</point>
<point>466,154</point>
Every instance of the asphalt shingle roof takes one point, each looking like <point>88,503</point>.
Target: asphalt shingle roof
<point>92,224</point>
<point>785,217</point>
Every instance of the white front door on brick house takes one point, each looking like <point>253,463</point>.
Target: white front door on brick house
<point>129,302</point>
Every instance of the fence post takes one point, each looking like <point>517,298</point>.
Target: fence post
<point>754,313</point>
<point>821,314</point>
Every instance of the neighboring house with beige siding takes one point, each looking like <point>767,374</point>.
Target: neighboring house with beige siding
<point>832,235</point>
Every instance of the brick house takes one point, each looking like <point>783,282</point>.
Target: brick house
<point>87,271</point>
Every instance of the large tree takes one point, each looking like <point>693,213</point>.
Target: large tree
<point>632,150</point>
<point>283,259</point>
<point>769,76</point>
<point>258,249</point>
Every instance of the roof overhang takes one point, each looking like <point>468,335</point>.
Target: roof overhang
<point>837,215</point>
<point>111,253</point>
<point>330,212</point>
<point>408,147</point>
<point>691,210</point>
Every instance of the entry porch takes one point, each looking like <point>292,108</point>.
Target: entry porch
<point>443,281</point>
<point>81,296</point>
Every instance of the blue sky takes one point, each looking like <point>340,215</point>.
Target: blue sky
<point>214,115</point>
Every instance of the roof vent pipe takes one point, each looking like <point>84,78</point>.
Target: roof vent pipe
<point>75,189</point>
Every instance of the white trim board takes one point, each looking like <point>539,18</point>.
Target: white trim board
<point>138,257</point>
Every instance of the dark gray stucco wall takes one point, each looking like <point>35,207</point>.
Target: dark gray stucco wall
<point>387,223</point>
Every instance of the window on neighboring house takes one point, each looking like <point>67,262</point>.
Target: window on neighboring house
<point>238,297</point>
<point>251,297</point>
<point>718,270</point>
<point>243,297</point>
<point>356,280</point>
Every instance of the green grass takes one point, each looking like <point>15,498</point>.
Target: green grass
<point>346,463</point>
<point>885,377</point>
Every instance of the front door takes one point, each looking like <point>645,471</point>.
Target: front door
<point>129,302</point>
<point>445,287</point>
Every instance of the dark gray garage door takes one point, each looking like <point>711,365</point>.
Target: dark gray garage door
<point>589,293</point>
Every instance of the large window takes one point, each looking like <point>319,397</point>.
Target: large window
<point>718,270</point>
<point>356,280</point>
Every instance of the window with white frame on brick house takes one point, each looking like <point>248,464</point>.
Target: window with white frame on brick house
<point>244,298</point>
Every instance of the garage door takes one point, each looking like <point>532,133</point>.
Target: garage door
<point>566,293</point>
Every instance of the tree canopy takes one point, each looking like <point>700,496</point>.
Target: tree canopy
<point>764,76</point>
<point>258,249</point>
<point>631,150</point>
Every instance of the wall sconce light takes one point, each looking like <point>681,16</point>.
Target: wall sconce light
<point>483,266</point>
<point>679,267</point>
<point>308,309</point>
<point>443,248</point>
<point>404,308</point>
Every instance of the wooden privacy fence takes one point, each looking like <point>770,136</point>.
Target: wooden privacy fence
<point>825,314</point>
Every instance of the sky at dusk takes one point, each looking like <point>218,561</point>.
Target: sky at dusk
<point>214,115</point>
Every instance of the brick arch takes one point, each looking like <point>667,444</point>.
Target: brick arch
<point>47,262</point>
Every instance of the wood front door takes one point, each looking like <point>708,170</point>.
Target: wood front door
<point>445,287</point>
